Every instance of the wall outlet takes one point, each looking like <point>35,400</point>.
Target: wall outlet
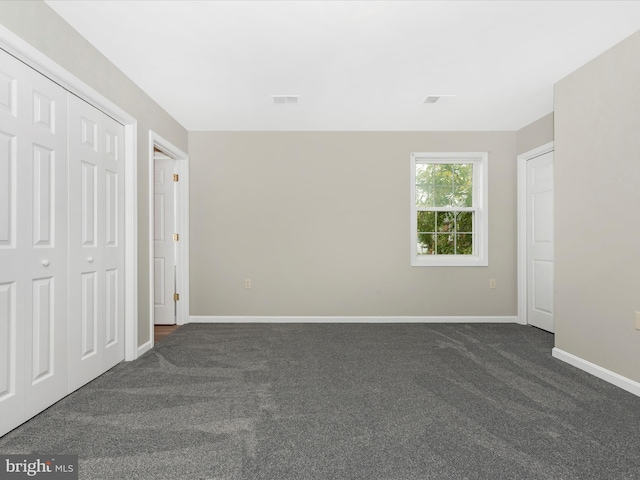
<point>492,283</point>
<point>637,320</point>
<point>247,283</point>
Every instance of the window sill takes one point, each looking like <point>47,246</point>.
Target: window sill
<point>448,261</point>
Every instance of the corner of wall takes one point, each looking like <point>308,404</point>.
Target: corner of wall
<point>535,134</point>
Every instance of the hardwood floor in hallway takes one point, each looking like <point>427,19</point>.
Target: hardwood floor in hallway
<point>161,331</point>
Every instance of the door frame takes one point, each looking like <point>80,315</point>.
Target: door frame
<point>522,160</point>
<point>25,52</point>
<point>182,223</point>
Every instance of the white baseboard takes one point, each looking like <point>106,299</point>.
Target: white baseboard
<point>347,319</point>
<point>144,348</point>
<point>597,371</point>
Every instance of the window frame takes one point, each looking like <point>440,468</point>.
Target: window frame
<point>480,197</point>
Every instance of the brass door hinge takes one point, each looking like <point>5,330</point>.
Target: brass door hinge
<point>176,177</point>
<point>176,297</point>
<point>176,237</point>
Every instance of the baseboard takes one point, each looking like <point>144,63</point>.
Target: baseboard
<point>145,347</point>
<point>346,319</point>
<point>624,383</point>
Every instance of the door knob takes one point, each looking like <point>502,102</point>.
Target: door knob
<point>45,263</point>
<point>90,259</point>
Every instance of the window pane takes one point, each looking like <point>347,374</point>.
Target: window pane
<point>464,244</point>
<point>426,221</point>
<point>424,196</point>
<point>464,222</point>
<point>426,244</point>
<point>463,174</point>
<point>443,174</point>
<point>463,196</point>
<point>443,196</point>
<point>445,244</point>
<point>445,221</point>
<point>424,173</point>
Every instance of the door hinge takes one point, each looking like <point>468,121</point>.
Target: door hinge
<point>176,237</point>
<point>176,177</point>
<point>176,297</point>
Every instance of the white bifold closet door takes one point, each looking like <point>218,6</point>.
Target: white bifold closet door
<point>96,242</point>
<point>33,242</point>
<point>61,242</point>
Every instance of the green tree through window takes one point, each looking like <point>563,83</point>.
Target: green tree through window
<point>441,190</point>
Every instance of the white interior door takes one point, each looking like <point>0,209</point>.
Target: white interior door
<point>46,211</point>
<point>164,258</point>
<point>96,242</point>
<point>540,242</point>
<point>13,245</point>
<point>33,242</point>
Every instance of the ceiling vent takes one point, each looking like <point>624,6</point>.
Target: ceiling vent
<point>438,98</point>
<point>285,99</point>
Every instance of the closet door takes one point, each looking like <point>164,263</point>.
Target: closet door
<point>33,242</point>
<point>13,281</point>
<point>96,243</point>
<point>45,153</point>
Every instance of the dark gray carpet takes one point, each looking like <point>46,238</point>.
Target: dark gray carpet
<point>344,401</point>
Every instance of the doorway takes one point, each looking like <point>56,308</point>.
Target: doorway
<point>165,239</point>
<point>168,234</point>
<point>536,238</point>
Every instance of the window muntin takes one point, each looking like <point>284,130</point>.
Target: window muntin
<point>449,209</point>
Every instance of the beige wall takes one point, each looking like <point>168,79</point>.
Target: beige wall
<point>40,26</point>
<point>535,134</point>
<point>597,155</point>
<point>319,221</point>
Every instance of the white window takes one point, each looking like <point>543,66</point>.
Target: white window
<point>449,209</point>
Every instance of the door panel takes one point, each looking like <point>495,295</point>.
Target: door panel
<point>540,242</point>
<point>89,318</point>
<point>88,203</point>
<point>8,87</point>
<point>112,303</point>
<point>43,199</point>
<point>8,189</point>
<point>542,300</point>
<point>44,111</point>
<point>7,330</point>
<point>111,201</point>
<point>159,285</point>
<point>542,207</point>
<point>43,344</point>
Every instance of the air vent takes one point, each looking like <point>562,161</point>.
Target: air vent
<point>438,98</point>
<point>285,99</point>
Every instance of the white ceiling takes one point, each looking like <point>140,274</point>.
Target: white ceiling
<point>356,65</point>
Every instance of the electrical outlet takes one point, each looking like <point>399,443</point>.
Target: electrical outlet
<point>247,283</point>
<point>492,283</point>
<point>637,320</point>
